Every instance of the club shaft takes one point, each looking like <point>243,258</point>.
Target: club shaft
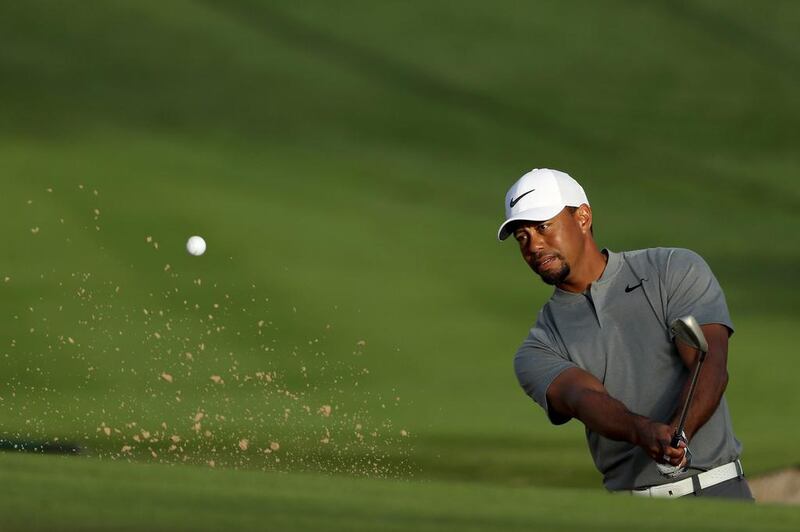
<point>688,401</point>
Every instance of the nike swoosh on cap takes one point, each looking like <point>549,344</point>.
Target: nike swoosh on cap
<point>516,200</point>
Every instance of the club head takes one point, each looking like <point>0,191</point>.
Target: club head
<point>689,332</point>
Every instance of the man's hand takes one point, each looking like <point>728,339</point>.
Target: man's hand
<point>671,471</point>
<point>655,439</point>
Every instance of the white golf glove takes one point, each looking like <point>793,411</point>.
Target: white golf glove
<point>671,471</point>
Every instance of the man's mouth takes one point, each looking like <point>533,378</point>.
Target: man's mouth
<point>545,261</point>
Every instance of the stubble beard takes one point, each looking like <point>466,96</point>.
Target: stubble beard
<point>554,277</point>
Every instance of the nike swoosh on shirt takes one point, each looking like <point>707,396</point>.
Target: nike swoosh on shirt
<point>629,288</point>
<point>514,201</point>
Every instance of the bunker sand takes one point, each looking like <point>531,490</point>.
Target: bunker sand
<point>779,487</point>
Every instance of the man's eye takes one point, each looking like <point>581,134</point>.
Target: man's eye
<point>543,227</point>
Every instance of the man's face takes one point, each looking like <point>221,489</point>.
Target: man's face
<point>550,246</point>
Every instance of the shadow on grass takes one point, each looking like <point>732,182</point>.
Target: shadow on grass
<point>40,447</point>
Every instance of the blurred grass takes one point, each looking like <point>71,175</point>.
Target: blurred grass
<point>112,496</point>
<point>346,164</point>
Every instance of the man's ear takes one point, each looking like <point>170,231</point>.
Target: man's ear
<point>584,217</point>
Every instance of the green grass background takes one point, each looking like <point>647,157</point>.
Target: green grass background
<point>103,496</point>
<point>346,164</point>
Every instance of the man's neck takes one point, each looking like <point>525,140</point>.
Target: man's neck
<point>583,274</point>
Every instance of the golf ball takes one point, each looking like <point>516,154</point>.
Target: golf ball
<point>196,245</point>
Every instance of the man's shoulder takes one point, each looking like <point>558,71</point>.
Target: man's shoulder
<point>542,330</point>
<point>659,258</point>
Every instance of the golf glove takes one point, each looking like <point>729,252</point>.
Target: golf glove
<point>671,471</point>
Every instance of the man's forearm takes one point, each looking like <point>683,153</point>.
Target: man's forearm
<point>708,392</point>
<point>711,382</point>
<point>577,393</point>
<point>608,417</point>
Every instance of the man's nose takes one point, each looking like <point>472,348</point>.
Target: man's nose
<point>535,242</point>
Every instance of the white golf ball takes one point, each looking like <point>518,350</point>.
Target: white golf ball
<point>196,246</point>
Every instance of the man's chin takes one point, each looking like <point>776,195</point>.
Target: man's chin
<point>554,277</point>
<point>550,279</point>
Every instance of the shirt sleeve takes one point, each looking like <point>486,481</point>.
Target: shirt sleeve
<point>537,365</point>
<point>693,289</point>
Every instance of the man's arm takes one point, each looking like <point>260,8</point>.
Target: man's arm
<point>579,394</point>
<point>711,382</point>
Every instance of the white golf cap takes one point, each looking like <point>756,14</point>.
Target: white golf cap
<point>539,195</point>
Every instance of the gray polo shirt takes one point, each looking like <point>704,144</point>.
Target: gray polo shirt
<point>618,331</point>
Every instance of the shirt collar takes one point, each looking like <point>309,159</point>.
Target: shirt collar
<point>611,270</point>
<point>612,267</point>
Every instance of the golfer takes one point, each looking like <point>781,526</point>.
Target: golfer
<point>601,349</point>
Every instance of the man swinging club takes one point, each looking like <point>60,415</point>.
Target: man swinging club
<point>602,349</point>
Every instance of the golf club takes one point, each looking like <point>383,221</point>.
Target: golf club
<point>688,331</point>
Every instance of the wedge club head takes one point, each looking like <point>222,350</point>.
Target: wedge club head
<point>688,331</point>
